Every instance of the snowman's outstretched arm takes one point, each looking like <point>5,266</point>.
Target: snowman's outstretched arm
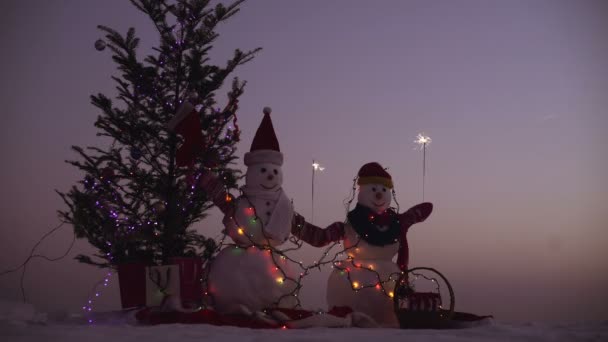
<point>216,191</point>
<point>314,235</point>
<point>415,214</point>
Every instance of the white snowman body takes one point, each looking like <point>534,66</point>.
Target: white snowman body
<point>245,275</point>
<point>375,264</point>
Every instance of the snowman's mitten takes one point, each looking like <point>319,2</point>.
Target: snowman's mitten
<point>422,211</point>
<point>216,192</point>
<point>416,214</point>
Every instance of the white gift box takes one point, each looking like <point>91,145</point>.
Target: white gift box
<point>161,281</point>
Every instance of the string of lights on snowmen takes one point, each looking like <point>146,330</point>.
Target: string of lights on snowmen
<point>249,215</point>
<point>355,285</point>
<point>278,264</point>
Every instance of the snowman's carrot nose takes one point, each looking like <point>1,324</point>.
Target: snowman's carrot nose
<point>270,177</point>
<point>378,195</point>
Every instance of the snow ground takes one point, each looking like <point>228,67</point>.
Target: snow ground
<point>21,322</point>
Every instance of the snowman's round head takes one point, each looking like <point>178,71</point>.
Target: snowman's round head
<point>264,159</point>
<point>264,176</point>
<point>375,185</point>
<point>376,197</point>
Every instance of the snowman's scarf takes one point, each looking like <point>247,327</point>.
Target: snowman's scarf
<point>279,224</point>
<point>366,223</point>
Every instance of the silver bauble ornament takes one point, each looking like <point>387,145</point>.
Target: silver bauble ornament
<point>193,97</point>
<point>100,45</point>
<point>159,207</point>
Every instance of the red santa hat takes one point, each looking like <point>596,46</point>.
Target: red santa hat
<point>374,173</point>
<point>265,146</point>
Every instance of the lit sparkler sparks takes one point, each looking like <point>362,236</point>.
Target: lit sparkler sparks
<point>423,140</point>
<point>315,167</point>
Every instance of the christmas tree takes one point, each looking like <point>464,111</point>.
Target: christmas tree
<point>139,197</point>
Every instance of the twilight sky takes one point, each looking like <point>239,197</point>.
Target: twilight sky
<point>513,94</point>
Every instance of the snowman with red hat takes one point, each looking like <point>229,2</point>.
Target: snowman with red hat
<point>249,276</point>
<point>372,235</point>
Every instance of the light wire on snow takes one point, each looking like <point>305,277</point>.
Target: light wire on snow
<point>33,256</point>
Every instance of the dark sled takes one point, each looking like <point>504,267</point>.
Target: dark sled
<point>423,310</point>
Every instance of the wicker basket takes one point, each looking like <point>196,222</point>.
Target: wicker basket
<point>421,310</point>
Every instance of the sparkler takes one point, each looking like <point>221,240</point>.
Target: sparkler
<point>423,140</point>
<point>315,167</point>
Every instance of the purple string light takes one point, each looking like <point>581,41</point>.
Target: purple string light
<point>88,307</point>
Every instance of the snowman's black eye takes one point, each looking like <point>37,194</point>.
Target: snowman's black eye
<point>263,170</point>
<point>383,189</point>
<point>275,171</point>
<point>374,189</point>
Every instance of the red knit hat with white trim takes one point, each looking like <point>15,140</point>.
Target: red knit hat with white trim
<point>374,173</point>
<point>265,145</point>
